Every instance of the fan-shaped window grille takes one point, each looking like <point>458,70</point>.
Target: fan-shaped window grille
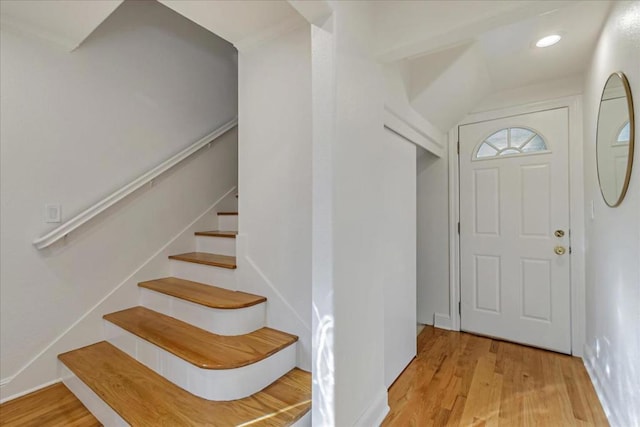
<point>623,135</point>
<point>510,141</point>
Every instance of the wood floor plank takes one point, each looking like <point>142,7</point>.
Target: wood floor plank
<point>199,293</point>
<point>143,398</point>
<point>53,406</point>
<point>197,346</point>
<point>214,260</point>
<point>459,379</point>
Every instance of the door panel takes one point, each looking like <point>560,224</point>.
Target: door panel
<point>513,196</point>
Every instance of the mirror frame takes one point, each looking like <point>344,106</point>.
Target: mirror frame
<point>627,178</point>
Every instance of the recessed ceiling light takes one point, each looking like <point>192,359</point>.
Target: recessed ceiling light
<point>548,40</point>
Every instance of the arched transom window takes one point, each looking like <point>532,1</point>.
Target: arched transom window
<point>623,135</point>
<point>510,141</point>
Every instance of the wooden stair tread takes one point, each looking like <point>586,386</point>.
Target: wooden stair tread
<point>206,258</point>
<point>218,233</point>
<point>143,398</point>
<point>199,293</point>
<point>201,348</point>
<point>227,213</point>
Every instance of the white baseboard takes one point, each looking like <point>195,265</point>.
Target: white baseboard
<point>25,392</point>
<point>375,413</point>
<point>280,313</point>
<point>442,321</point>
<point>305,421</point>
<point>599,383</point>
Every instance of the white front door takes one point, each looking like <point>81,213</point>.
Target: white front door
<point>514,215</point>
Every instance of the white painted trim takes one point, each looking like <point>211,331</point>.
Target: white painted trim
<point>598,379</point>
<point>147,178</point>
<point>375,413</point>
<point>243,244</point>
<point>518,110</point>
<point>430,139</point>
<point>113,291</point>
<point>576,208</point>
<point>576,219</point>
<point>25,392</point>
<point>454,237</point>
<point>442,321</point>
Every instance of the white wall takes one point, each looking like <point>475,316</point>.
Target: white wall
<point>398,108</point>
<point>398,240</point>
<point>357,253</point>
<point>275,181</point>
<point>433,239</point>
<point>612,348</point>
<point>432,200</point>
<point>530,94</point>
<point>75,127</point>
<point>445,94</point>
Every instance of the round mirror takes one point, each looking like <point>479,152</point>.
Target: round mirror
<point>614,143</point>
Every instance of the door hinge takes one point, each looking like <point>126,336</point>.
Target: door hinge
<point>459,308</point>
<point>458,147</point>
<point>458,227</point>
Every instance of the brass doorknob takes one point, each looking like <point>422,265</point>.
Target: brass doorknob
<point>559,250</point>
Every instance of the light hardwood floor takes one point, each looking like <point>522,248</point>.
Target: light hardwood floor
<point>52,406</point>
<point>459,379</point>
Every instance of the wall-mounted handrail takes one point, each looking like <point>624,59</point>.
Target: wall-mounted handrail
<point>104,204</point>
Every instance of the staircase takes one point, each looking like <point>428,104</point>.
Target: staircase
<point>194,352</point>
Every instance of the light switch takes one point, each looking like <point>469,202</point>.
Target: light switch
<point>52,213</point>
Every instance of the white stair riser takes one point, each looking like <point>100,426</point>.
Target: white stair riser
<point>228,222</point>
<point>238,321</point>
<point>216,245</point>
<point>207,274</point>
<point>103,412</point>
<point>211,384</point>
<point>305,421</point>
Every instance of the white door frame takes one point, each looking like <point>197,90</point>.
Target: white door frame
<point>576,210</point>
